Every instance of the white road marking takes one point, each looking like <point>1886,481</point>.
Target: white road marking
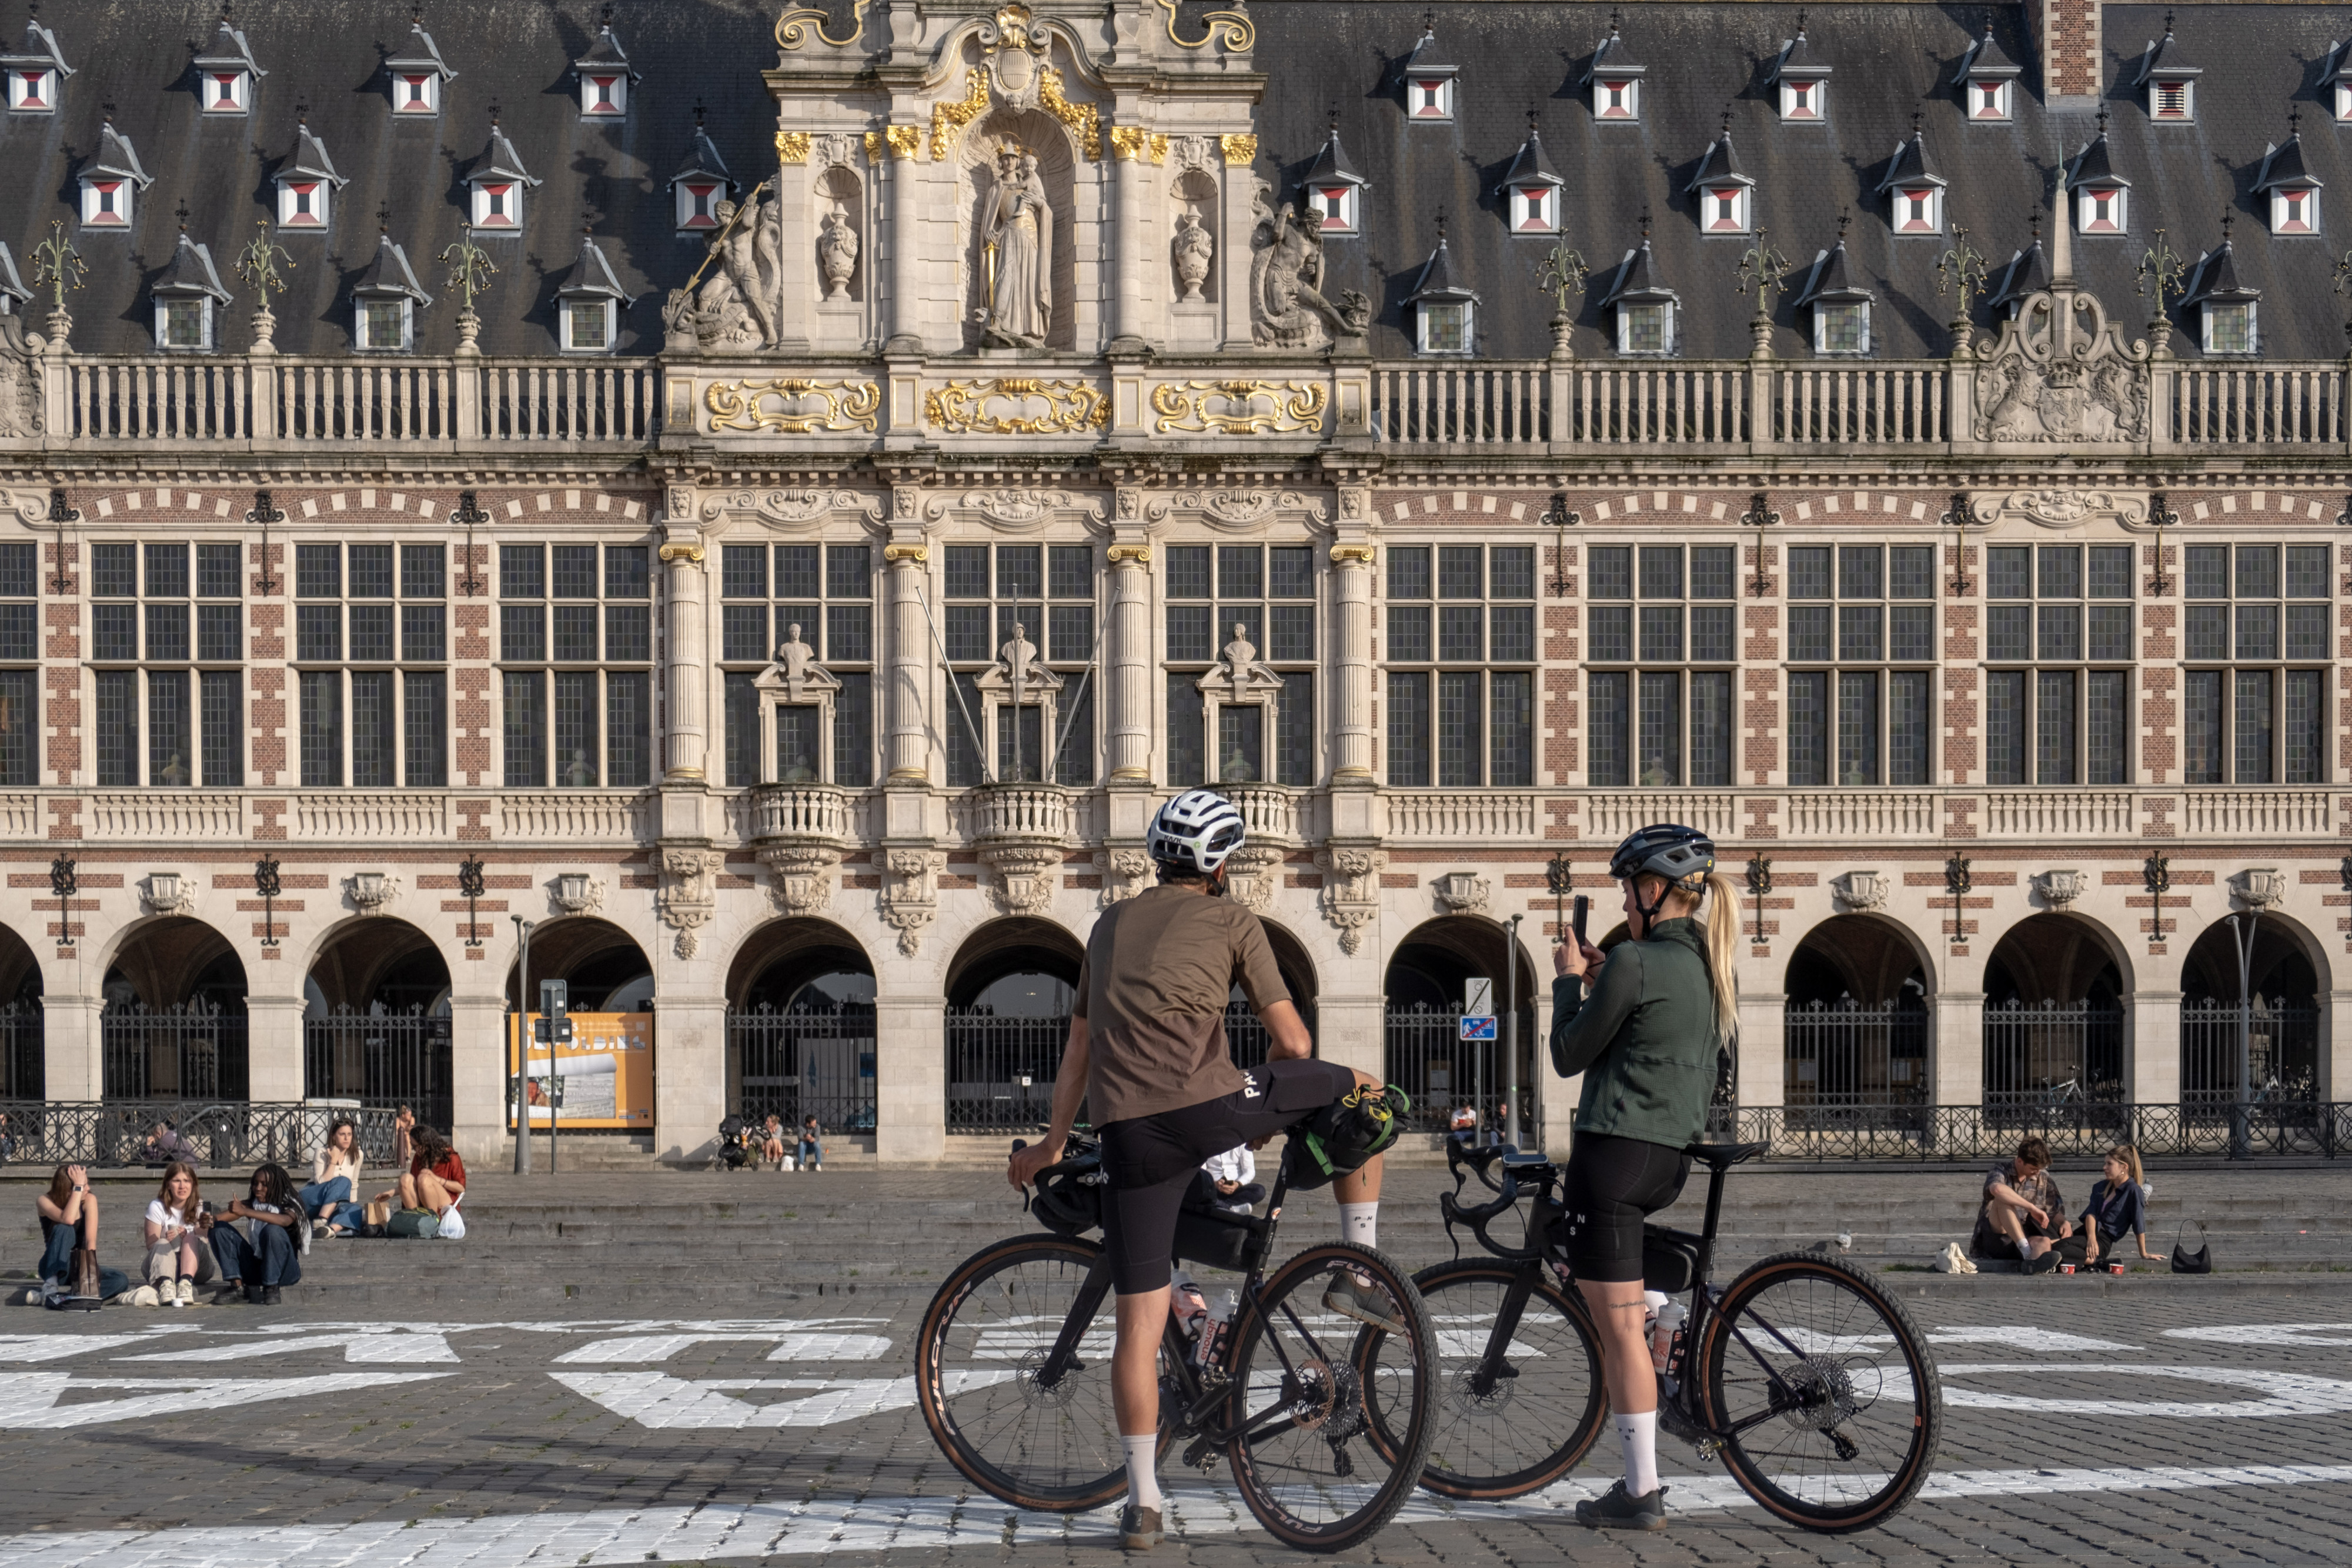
<point>2022,1338</point>
<point>657,1399</point>
<point>377,1346</point>
<point>817,1527</point>
<point>58,1346</point>
<point>2268,1333</point>
<point>28,1400</point>
<point>2280,1393</point>
<point>1469,1344</point>
<point>642,1348</point>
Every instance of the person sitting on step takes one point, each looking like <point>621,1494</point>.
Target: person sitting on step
<point>2118,1204</point>
<point>812,1151</point>
<point>436,1177</point>
<point>773,1152</point>
<point>177,1259</point>
<point>334,1177</point>
<point>2021,1212</point>
<point>270,1255</point>
<point>68,1214</point>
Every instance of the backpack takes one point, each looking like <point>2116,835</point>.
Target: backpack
<point>1344,1136</point>
<point>415,1224</point>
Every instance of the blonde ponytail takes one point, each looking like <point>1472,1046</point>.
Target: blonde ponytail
<point>1722,953</point>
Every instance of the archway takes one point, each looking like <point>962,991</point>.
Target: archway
<point>800,1027</point>
<point>1425,986</point>
<point>1008,1016</point>
<point>24,1073</point>
<point>1854,1027</point>
<point>1246,1032</point>
<point>375,1019</point>
<point>173,1025</point>
<point>603,1082</point>
<point>2280,1017</point>
<point>2053,1024</point>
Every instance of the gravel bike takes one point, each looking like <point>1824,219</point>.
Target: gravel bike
<point>1012,1370</point>
<point>1808,1381</point>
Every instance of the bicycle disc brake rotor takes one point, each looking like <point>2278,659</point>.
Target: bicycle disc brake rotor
<point>1822,1393</point>
<point>1472,1389</point>
<point>1329,1400</point>
<point>1034,1391</point>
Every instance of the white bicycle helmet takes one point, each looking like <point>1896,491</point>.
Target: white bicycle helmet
<point>1194,832</point>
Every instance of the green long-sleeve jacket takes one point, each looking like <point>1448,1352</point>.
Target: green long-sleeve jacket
<point>1644,1040</point>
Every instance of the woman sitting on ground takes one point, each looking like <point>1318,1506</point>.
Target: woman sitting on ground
<point>404,1136</point>
<point>177,1259</point>
<point>334,1177</point>
<point>2118,1204</point>
<point>68,1212</point>
<point>772,1142</point>
<point>436,1177</point>
<point>812,1151</point>
<point>272,1255</point>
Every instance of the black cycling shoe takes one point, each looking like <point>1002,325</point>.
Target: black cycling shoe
<point>1139,1528</point>
<point>1365,1301</point>
<point>2046,1263</point>
<point>1617,1510</point>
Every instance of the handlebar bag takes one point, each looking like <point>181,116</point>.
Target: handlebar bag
<point>1342,1137</point>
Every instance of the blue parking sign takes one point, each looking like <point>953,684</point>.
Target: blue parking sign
<point>1479,1028</point>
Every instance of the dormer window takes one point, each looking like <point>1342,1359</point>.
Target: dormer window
<point>1335,205</point>
<point>1801,100</point>
<point>1727,209</point>
<point>2294,210</point>
<point>1722,195</point>
<point>384,303</point>
<point>2171,100</point>
<point>1617,98</point>
<point>1530,189</point>
<point>227,75</point>
<point>1646,327</point>
<point>1988,82</point>
<point>497,204</point>
<point>2102,196</point>
<point>588,326</point>
<point>2225,307</point>
<point>1840,311</point>
<point>110,185</point>
<point>2170,80</point>
<point>1645,308</point>
<point>1990,98</point>
<point>1919,210</point>
<point>188,299</point>
<point>1430,97</point>
<point>2337,70</point>
<point>1615,78</point>
<point>605,77</point>
<point>498,182</point>
<point>1333,190</point>
<point>382,326</point>
<point>1443,309</point>
<point>2292,190</point>
<point>227,92</point>
<point>1803,80</point>
<point>698,199</point>
<point>1429,81</point>
<point>417,74</point>
<point>589,304</point>
<point>306,187</point>
<point>184,324</point>
<point>35,75</point>
<point>2229,327</point>
<point>1914,191</point>
<point>2099,209</point>
<point>417,93</point>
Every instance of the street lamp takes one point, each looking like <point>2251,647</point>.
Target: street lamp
<point>2241,941</point>
<point>522,1050</point>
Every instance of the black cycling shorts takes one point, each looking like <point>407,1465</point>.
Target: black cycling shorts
<point>1149,1162</point>
<point>1612,1185</point>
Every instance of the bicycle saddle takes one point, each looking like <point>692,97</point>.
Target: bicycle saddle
<point>1722,1157</point>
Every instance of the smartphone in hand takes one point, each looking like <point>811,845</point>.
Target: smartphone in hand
<point>1583,907</point>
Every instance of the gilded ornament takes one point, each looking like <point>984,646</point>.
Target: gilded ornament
<point>1232,26</point>
<point>1139,554</point>
<point>903,140</point>
<point>873,147</point>
<point>792,146</point>
<point>1159,147</point>
<point>1128,143</point>
<point>1353,555</point>
<point>794,28</point>
<point>1240,151</point>
<point>961,408</point>
<point>687,550</point>
<point>1083,121</point>
<point>804,406</point>
<point>1239,408</point>
<point>949,117</point>
<point>893,554</point>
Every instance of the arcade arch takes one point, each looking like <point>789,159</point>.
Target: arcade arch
<point>1424,987</point>
<point>801,1027</point>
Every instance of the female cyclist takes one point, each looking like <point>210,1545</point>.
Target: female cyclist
<point>1648,1039</point>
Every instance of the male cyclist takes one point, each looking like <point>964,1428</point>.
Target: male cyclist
<point>1147,1057</point>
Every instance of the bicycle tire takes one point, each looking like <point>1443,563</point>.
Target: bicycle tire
<point>1847,1391</point>
<point>1064,1451</point>
<point>1299,1503</point>
<point>1549,1415</point>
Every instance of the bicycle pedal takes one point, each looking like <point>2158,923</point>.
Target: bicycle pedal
<point>1203,1455</point>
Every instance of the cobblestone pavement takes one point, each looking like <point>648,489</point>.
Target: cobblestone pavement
<point>2152,1420</point>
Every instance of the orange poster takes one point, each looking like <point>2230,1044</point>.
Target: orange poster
<point>602,1078</point>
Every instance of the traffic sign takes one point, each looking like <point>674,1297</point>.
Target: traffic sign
<point>1478,1028</point>
<point>1478,997</point>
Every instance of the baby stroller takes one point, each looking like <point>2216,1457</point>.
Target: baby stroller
<point>737,1149</point>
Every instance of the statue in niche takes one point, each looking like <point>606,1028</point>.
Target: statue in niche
<point>1018,658</point>
<point>734,307</point>
<point>1287,309</point>
<point>797,663</point>
<point>1243,673</point>
<point>836,253</point>
<point>1017,230</point>
<point>1193,248</point>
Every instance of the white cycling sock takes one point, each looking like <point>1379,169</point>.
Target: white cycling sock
<point>1142,1477</point>
<point>1360,1223</point>
<point>2025,1248</point>
<point>1638,1436</point>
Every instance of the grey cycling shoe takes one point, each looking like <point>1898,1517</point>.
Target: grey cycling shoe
<point>1364,1301</point>
<point>1139,1528</point>
<point>1617,1510</point>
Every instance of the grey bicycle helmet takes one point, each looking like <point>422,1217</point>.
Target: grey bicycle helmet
<point>1679,854</point>
<point>1194,832</point>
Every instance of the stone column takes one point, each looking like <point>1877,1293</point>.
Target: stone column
<point>1959,1048</point>
<point>273,1072</point>
<point>1763,1050</point>
<point>2334,1056</point>
<point>1351,1028</point>
<point>906,249</point>
<point>1131,173</point>
<point>910,666</point>
<point>686,734</point>
<point>480,1063</point>
<point>1352,715</point>
<point>2155,1077</point>
<point>1130,664</point>
<point>1555,1096</point>
<point>73,1052</point>
<point>689,1057</point>
<point>911,1066</point>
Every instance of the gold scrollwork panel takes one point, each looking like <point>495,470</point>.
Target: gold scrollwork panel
<point>1017,405</point>
<point>1238,408</point>
<point>791,406</point>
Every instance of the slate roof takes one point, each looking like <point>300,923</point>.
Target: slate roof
<point>611,175</point>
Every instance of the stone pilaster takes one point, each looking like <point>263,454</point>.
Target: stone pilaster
<point>1352,757</point>
<point>1130,656</point>
<point>1959,1048</point>
<point>908,758</point>
<point>686,735</point>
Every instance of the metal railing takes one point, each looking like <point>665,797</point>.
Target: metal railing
<point>2055,1060</point>
<point>385,1059</point>
<point>2282,1053</point>
<point>805,1061</point>
<point>1427,1057</point>
<point>194,1050</point>
<point>24,1065</point>
<point>226,1135</point>
<point>1840,1057</point>
<point>1000,1070</point>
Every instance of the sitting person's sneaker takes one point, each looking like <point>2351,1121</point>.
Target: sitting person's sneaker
<point>269,1295</point>
<point>1356,1297</point>
<point>53,1290</point>
<point>252,1295</point>
<point>1139,1528</point>
<point>145,1296</point>
<point>186,1294</point>
<point>1616,1509</point>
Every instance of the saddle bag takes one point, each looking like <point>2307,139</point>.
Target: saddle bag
<point>1344,1136</point>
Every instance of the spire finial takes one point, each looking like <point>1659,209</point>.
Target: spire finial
<point>2167,26</point>
<point>1727,122</point>
<point>1614,21</point>
<point>1335,120</point>
<point>1532,122</point>
<point>1801,23</point>
<point>1916,118</point>
<point>2033,222</point>
<point>2103,124</point>
<point>301,116</point>
<point>1428,22</point>
<point>2228,217</point>
<point>383,221</point>
<point>183,212</point>
<point>2294,120</point>
<point>697,114</point>
<point>604,18</point>
<point>1645,227</point>
<point>494,117</point>
<point>1845,217</point>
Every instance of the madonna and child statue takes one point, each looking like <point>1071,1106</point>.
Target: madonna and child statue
<point>1016,228</point>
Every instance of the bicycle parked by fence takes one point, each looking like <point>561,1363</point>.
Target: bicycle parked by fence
<point>1013,1370</point>
<point>1808,1381</point>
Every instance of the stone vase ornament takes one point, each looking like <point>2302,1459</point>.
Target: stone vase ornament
<point>837,255</point>
<point>1193,249</point>
<point>264,330</point>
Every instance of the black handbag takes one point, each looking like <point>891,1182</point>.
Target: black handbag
<point>2184,1261</point>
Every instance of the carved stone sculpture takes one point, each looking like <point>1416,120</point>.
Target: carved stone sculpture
<point>1860,891</point>
<point>2059,372</point>
<point>20,379</point>
<point>801,871</point>
<point>1462,893</point>
<point>1252,873</point>
<point>1193,248</point>
<point>2060,888</point>
<point>736,305</point>
<point>372,891</point>
<point>168,893</point>
<point>1016,225</point>
<point>2258,887</point>
<point>1125,874</point>
<point>1352,890</point>
<point>688,895</point>
<point>836,253</point>
<point>1287,309</point>
<point>910,894</point>
<point>577,892</point>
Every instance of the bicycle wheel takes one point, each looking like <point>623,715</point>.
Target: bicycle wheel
<point>1304,1379</point>
<point>1509,1428</point>
<point>985,1338</point>
<point>1828,1389</point>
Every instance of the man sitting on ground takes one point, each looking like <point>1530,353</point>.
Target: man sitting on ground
<point>2022,1211</point>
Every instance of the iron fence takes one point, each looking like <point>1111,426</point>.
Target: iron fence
<point>2309,1128</point>
<point>2061,1063</point>
<point>1842,1057</point>
<point>1000,1070</point>
<point>24,1067</point>
<point>806,1059</point>
<point>1428,1058</point>
<point>380,1058</point>
<point>225,1136</point>
<point>194,1050</point>
<point>2282,1053</point>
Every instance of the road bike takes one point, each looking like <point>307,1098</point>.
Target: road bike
<point>1013,1370</point>
<point>1808,1381</point>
